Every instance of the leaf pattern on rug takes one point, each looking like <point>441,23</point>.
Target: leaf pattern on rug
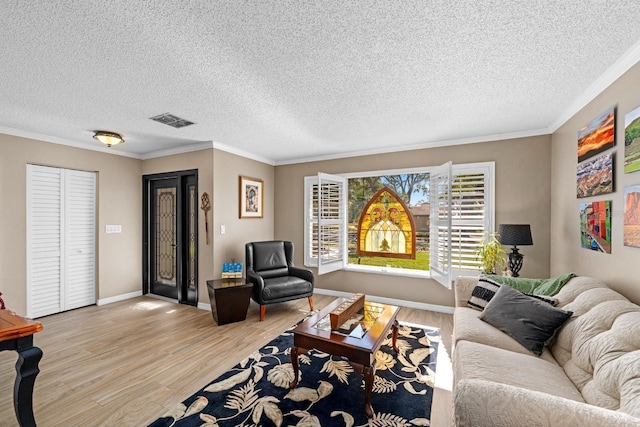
<point>300,394</point>
<point>340,368</point>
<point>329,392</point>
<point>243,398</point>
<point>230,382</point>
<point>384,361</point>
<point>389,420</point>
<point>383,385</point>
<point>282,375</point>
<point>267,405</point>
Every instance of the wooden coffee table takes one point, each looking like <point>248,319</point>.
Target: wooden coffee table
<point>361,352</point>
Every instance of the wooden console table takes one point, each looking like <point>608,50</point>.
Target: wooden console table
<point>16,333</point>
<point>229,299</point>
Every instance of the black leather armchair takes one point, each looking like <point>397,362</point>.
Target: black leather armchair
<point>275,279</point>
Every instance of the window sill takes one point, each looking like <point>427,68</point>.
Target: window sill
<point>387,271</point>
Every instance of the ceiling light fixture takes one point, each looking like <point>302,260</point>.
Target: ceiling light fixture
<point>108,138</point>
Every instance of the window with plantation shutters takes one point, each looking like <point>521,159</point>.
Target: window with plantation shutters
<point>452,208</point>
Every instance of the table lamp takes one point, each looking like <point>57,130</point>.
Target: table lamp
<point>515,234</point>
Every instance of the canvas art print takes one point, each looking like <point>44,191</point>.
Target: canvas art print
<point>597,136</point>
<point>632,216</point>
<point>595,177</point>
<point>632,141</point>
<point>595,226</point>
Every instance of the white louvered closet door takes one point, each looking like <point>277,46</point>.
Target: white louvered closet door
<point>61,221</point>
<point>80,226</point>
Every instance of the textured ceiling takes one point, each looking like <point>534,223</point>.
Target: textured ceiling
<point>291,80</point>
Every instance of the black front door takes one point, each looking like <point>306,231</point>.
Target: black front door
<point>170,242</point>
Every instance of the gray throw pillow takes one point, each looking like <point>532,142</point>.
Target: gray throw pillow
<point>527,320</point>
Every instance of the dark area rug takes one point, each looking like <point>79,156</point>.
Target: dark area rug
<point>330,392</point>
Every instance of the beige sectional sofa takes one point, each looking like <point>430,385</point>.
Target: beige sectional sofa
<point>589,374</point>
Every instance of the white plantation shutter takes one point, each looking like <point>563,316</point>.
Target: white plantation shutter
<point>325,222</point>
<point>459,231</point>
<point>470,219</point>
<point>311,221</point>
<point>331,222</point>
<point>440,226</point>
<point>60,239</point>
<point>44,240</point>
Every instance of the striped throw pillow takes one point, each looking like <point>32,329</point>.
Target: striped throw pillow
<point>487,288</point>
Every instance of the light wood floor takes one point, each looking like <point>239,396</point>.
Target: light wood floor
<point>126,363</point>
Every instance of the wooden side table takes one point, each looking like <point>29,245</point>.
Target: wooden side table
<point>16,333</point>
<point>229,299</point>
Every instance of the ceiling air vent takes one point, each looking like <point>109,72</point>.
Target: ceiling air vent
<point>171,120</point>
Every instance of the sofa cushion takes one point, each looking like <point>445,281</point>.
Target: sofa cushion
<point>468,327</point>
<point>483,403</point>
<point>599,349</point>
<point>479,361</point>
<point>527,320</point>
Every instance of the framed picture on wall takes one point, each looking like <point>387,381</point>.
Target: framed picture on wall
<point>597,136</point>
<point>595,177</point>
<point>251,197</point>
<point>632,141</point>
<point>595,226</point>
<point>632,216</point>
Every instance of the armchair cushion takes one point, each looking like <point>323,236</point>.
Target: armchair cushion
<point>286,286</point>
<point>269,256</point>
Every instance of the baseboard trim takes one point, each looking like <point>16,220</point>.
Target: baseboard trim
<point>391,301</point>
<point>330,292</point>
<point>117,298</point>
<point>204,306</point>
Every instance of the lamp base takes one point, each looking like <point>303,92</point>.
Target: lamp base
<point>515,261</point>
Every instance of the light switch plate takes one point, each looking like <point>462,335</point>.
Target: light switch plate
<point>113,229</point>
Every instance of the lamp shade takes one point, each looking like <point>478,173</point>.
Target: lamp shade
<point>515,234</point>
<point>108,138</point>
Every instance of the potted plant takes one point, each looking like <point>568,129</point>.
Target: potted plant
<point>490,254</point>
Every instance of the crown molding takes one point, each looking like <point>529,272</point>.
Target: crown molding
<point>242,153</point>
<point>63,141</point>
<point>178,150</point>
<point>434,144</point>
<point>613,73</point>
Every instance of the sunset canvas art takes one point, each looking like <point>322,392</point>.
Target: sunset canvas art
<point>597,136</point>
<point>632,216</point>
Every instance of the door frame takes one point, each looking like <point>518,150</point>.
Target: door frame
<point>184,296</point>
